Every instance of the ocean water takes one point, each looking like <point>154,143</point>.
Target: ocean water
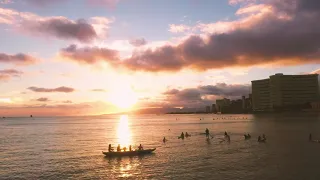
<point>71,147</point>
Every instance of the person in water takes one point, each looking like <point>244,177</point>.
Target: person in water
<point>259,138</point>
<point>264,137</point>
<point>140,147</point>
<point>182,136</point>
<point>225,133</point>
<point>187,135</point>
<point>164,140</point>
<point>310,137</point>
<point>118,148</point>
<point>207,132</point>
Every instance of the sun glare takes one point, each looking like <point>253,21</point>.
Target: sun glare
<point>123,97</point>
<point>123,131</point>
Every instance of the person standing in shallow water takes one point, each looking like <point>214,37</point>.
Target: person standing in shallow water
<point>182,135</point>
<point>310,137</point>
<point>207,133</point>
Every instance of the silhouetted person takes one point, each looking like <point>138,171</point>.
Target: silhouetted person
<point>140,147</point>
<point>130,148</point>
<point>31,116</point>
<point>228,138</point>
<point>164,140</point>
<point>118,148</point>
<point>187,135</point>
<point>259,139</point>
<point>124,148</point>
<point>207,133</point>
<point>249,135</point>
<point>182,135</point>
<point>225,133</point>
<point>110,149</point>
<point>310,137</point>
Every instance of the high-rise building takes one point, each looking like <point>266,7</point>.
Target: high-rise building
<point>222,103</point>
<point>208,110</point>
<point>213,108</point>
<point>280,91</point>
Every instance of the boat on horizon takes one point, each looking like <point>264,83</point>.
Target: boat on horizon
<point>128,153</point>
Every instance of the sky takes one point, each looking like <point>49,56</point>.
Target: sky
<point>88,57</point>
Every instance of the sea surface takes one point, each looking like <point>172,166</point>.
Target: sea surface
<point>71,147</point>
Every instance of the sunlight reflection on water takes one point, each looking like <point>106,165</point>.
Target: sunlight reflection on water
<point>123,132</point>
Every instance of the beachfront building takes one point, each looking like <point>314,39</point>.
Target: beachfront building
<point>222,103</point>
<point>213,108</point>
<point>208,109</point>
<point>280,92</point>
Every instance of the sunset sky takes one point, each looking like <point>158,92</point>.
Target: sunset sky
<point>79,57</point>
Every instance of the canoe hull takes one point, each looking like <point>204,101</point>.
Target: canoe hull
<point>128,153</point>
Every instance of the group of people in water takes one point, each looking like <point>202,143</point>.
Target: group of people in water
<point>110,149</point>
<point>182,136</point>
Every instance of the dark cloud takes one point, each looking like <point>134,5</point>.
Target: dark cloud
<point>42,99</point>
<point>289,34</point>
<point>7,74</point>
<point>204,95</point>
<point>63,28</point>
<point>228,90</point>
<point>166,58</point>
<point>59,89</point>
<point>19,59</point>
<point>89,55</point>
<point>138,42</point>
<point>98,90</point>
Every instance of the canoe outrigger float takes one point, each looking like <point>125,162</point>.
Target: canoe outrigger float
<point>128,153</point>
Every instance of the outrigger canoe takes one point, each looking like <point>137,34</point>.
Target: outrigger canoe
<point>128,153</point>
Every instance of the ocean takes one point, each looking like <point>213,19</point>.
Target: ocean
<point>71,147</point>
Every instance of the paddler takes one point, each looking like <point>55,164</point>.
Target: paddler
<point>118,148</point>
<point>110,149</point>
<point>130,148</point>
<point>140,147</point>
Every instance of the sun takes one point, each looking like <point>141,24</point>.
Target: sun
<point>123,97</point>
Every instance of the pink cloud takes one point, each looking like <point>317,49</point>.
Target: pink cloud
<point>138,42</point>
<point>59,89</point>
<point>56,26</point>
<point>89,55</point>
<point>18,59</point>
<point>178,28</point>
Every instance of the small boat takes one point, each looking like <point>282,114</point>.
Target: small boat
<point>128,153</point>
